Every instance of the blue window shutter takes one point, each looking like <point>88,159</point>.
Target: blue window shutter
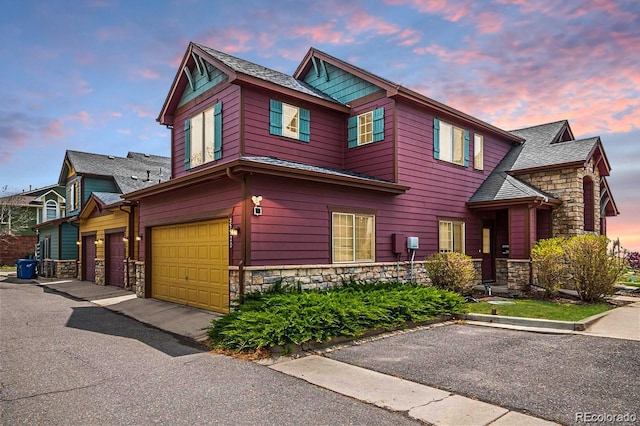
<point>436,138</point>
<point>352,127</point>
<point>378,124</point>
<point>466,148</point>
<point>217,131</point>
<point>187,144</point>
<point>305,125</point>
<point>275,117</point>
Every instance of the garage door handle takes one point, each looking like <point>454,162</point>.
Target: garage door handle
<point>186,278</point>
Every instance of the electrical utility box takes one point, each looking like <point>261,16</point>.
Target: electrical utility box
<point>397,243</point>
<point>413,243</point>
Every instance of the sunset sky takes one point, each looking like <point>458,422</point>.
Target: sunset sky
<point>92,75</point>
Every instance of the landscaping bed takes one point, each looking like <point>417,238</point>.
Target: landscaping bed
<point>287,318</point>
<point>558,309</point>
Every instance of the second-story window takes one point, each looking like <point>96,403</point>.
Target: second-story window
<point>289,121</point>
<point>203,137</point>
<point>478,152</point>
<point>450,143</point>
<point>73,195</point>
<point>366,128</point>
<point>51,210</point>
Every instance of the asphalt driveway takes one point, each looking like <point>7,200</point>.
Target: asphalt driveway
<point>548,376</point>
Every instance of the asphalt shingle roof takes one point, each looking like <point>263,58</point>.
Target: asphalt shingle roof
<point>266,74</point>
<point>107,198</point>
<point>273,161</point>
<point>129,173</point>
<point>541,148</point>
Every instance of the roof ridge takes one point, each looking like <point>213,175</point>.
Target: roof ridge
<point>540,125</point>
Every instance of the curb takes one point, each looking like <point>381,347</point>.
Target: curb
<point>535,322</point>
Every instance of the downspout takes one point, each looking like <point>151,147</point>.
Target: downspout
<point>77,226</point>
<point>244,234</point>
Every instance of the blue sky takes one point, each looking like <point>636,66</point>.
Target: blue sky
<point>92,75</point>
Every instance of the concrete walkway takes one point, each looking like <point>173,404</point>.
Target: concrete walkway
<point>618,323</point>
<point>424,403</point>
<point>180,320</point>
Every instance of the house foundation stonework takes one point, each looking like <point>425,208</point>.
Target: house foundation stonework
<point>130,279</point>
<point>51,268</point>
<point>100,278</point>
<point>261,278</point>
<point>514,273</point>
<point>140,286</point>
<point>567,186</point>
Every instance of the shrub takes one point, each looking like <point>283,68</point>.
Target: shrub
<point>547,256</point>
<point>633,260</point>
<point>594,268</point>
<point>451,271</point>
<point>291,317</point>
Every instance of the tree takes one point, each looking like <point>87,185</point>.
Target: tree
<point>16,216</point>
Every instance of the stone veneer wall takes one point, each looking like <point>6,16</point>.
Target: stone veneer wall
<point>261,278</point>
<point>59,268</point>
<point>130,269</point>
<point>139,278</point>
<point>514,273</point>
<point>566,185</point>
<point>66,268</point>
<point>100,278</point>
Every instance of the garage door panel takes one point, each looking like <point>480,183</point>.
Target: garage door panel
<point>190,264</point>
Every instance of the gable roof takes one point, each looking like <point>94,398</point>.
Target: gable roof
<point>546,147</point>
<point>129,173</point>
<point>394,90</point>
<point>98,201</point>
<point>239,71</point>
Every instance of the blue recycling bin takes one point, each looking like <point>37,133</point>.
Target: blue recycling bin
<point>26,268</point>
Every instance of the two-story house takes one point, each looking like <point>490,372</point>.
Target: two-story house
<point>96,238</point>
<point>335,173</point>
<point>20,213</point>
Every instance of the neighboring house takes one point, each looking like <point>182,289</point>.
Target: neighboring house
<point>19,213</point>
<point>324,176</point>
<point>98,234</point>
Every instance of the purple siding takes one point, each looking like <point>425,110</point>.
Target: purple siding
<point>174,206</point>
<point>518,222</point>
<point>374,159</point>
<point>328,133</point>
<point>230,98</point>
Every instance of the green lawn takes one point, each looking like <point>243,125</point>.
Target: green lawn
<point>529,308</point>
<point>630,278</point>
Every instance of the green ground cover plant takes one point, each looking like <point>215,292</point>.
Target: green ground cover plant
<point>286,317</point>
<point>532,308</point>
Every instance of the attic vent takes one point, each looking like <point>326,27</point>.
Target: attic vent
<point>134,177</point>
<point>111,157</point>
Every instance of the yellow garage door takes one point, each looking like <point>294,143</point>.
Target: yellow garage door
<point>189,264</point>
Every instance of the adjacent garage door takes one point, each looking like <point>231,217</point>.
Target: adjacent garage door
<point>189,264</point>
<point>89,258</point>
<point>115,259</point>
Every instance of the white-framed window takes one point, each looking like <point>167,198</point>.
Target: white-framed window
<point>353,237</point>
<point>203,137</point>
<point>50,210</point>
<point>478,152</point>
<point>73,195</point>
<point>289,121</point>
<point>366,128</point>
<point>451,236</point>
<point>450,143</point>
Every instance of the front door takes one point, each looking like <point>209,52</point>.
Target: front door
<point>115,259</point>
<point>89,258</point>
<point>488,253</point>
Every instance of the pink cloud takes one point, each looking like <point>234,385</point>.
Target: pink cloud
<point>54,129</point>
<point>231,39</point>
<point>116,114</point>
<point>408,37</point>
<point>81,116</point>
<point>141,110</point>
<point>323,33</point>
<point>489,22</point>
<point>111,33</point>
<point>124,131</point>
<point>82,87</point>
<point>361,22</point>
<point>451,10</point>
<point>148,74</point>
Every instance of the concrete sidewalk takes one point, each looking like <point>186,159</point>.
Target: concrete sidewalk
<point>177,319</point>
<point>618,323</point>
<point>424,403</point>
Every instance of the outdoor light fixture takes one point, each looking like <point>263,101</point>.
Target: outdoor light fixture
<point>257,210</point>
<point>234,231</point>
<point>138,237</point>
<point>78,243</point>
<point>125,240</point>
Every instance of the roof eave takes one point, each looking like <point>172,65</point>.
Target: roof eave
<point>496,204</point>
<point>559,166</point>
<point>413,96</point>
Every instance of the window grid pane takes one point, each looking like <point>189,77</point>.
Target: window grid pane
<point>364,237</point>
<point>446,135</point>
<point>208,135</point>
<point>197,156</point>
<point>365,128</point>
<point>290,121</point>
<point>446,243</point>
<point>478,152</point>
<point>342,237</point>
<point>458,146</point>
